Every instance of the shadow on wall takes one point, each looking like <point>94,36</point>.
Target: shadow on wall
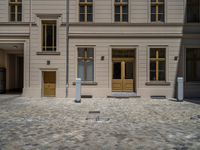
<point>190,40</point>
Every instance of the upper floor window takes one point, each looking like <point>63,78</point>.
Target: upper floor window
<point>193,11</point>
<point>157,10</point>
<point>49,37</point>
<point>121,10</point>
<point>86,64</point>
<point>15,10</point>
<point>193,64</point>
<point>85,10</point>
<point>157,64</point>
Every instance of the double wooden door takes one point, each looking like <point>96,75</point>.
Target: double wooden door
<point>123,75</point>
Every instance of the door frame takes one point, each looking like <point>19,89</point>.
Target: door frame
<point>42,80</point>
<point>125,47</point>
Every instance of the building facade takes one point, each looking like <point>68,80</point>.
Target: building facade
<point>136,47</point>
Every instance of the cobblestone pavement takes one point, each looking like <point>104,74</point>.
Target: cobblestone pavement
<point>122,124</point>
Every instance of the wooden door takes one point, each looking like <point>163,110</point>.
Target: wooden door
<point>123,73</point>
<point>49,85</point>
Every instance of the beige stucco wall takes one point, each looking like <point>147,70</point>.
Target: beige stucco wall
<point>103,35</point>
<point>103,74</point>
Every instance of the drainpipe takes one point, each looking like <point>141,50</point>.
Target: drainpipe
<point>30,24</point>
<point>67,46</point>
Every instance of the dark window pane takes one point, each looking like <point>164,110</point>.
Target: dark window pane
<point>81,52</point>
<point>125,9</point>
<point>153,17</point>
<point>152,53</point>
<point>89,17</point>
<point>117,9</point>
<point>125,18</point>
<point>129,70</point>
<point>161,17</point>
<point>82,17</point>
<point>90,53</point>
<point>49,35</point>
<point>161,9</point>
<point>153,9</point>
<point>117,17</point>
<point>117,70</point>
<point>152,75</point>
<point>12,17</point>
<point>193,64</point>
<point>161,53</point>
<point>12,8</point>
<point>81,9</point>
<point>19,9</point>
<point>89,9</point>
<point>193,11</point>
<point>19,17</point>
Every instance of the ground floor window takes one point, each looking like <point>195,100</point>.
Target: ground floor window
<point>86,64</point>
<point>193,64</point>
<point>157,64</point>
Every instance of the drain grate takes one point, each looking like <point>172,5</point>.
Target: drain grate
<point>95,116</point>
<point>195,117</point>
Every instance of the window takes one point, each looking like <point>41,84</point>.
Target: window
<point>157,64</point>
<point>49,35</point>
<point>86,10</point>
<point>121,10</point>
<point>15,10</point>
<point>157,10</point>
<point>193,11</point>
<point>86,64</point>
<point>193,64</point>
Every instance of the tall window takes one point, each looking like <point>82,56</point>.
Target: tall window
<point>15,10</point>
<point>86,10</point>
<point>121,10</point>
<point>157,10</point>
<point>193,64</point>
<point>157,64</point>
<point>86,64</point>
<point>193,11</point>
<point>49,35</point>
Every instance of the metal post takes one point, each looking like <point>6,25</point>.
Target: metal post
<point>78,90</point>
<point>180,91</point>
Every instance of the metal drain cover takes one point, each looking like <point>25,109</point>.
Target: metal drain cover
<point>95,116</point>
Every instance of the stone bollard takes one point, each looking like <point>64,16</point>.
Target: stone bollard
<point>180,91</point>
<point>78,90</point>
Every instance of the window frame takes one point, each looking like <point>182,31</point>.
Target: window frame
<point>44,47</point>
<point>186,16</point>
<point>16,4</point>
<point>121,4</point>
<point>85,4</point>
<point>157,11</point>
<point>185,68</point>
<point>85,65</point>
<point>149,63</point>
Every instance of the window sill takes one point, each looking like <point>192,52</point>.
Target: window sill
<point>86,83</point>
<point>158,83</point>
<point>48,53</point>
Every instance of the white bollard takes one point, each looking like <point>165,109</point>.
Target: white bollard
<point>78,90</point>
<point>180,87</point>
